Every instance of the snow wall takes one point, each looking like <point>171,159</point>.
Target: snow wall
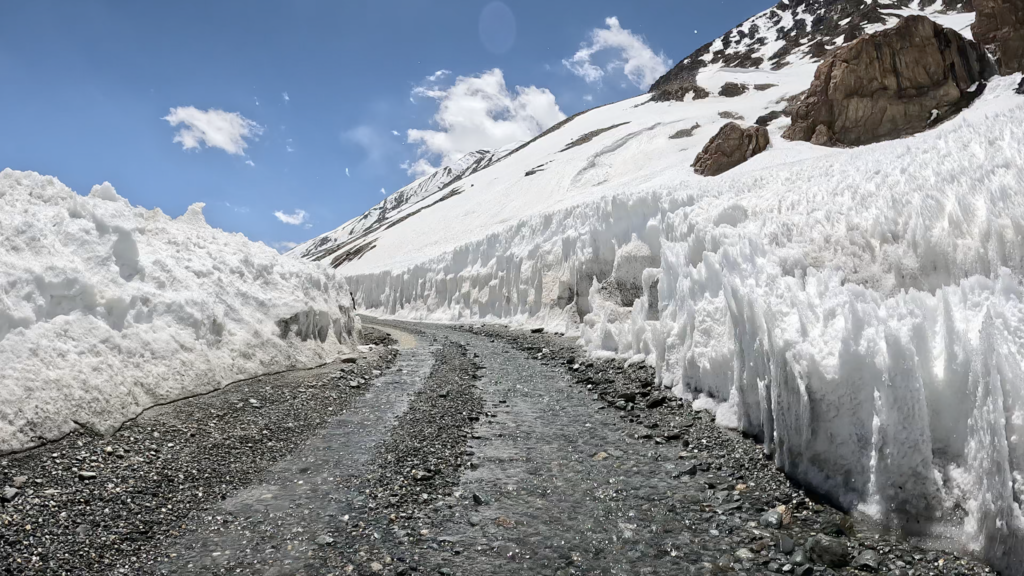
<point>106,309</point>
<point>861,313</point>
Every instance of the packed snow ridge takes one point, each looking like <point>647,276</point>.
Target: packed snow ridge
<point>355,237</point>
<point>107,309</point>
<point>858,310</point>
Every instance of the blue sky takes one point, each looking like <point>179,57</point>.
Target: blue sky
<point>90,90</point>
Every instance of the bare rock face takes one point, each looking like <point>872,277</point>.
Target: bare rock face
<point>732,146</point>
<point>999,25</point>
<point>732,89</point>
<point>678,92</point>
<point>892,83</point>
<point>823,136</point>
<point>766,119</point>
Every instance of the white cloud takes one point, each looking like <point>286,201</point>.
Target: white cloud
<point>295,219</point>
<point>588,97</point>
<point>438,75</point>
<point>395,132</point>
<point>635,58</point>
<point>285,96</point>
<point>257,100</point>
<point>250,162</point>
<point>288,145</point>
<point>213,128</point>
<point>347,174</point>
<point>480,112</point>
<point>419,168</point>
<point>383,192</point>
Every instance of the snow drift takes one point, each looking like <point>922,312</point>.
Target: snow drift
<point>859,310</point>
<point>106,309</point>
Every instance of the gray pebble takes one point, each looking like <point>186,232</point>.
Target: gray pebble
<point>771,519</point>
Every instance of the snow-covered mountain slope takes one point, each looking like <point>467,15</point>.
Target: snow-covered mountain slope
<point>795,31</point>
<point>106,309</point>
<point>546,174</point>
<point>355,237</point>
<point>861,310</point>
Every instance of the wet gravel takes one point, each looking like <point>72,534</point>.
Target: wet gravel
<point>424,456</point>
<point>358,497</point>
<point>686,496</point>
<point>93,505</point>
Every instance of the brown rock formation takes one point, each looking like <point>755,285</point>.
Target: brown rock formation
<point>678,93</point>
<point>999,25</point>
<point>823,136</point>
<point>732,89</point>
<point>730,147</point>
<point>892,83</point>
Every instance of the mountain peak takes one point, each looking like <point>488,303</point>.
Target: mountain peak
<point>796,31</point>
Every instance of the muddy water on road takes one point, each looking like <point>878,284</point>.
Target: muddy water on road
<point>273,528</point>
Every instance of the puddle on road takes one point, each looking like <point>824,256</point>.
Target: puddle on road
<point>274,526</point>
<point>405,340</point>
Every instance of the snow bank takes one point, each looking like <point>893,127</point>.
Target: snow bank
<point>106,309</point>
<point>859,310</point>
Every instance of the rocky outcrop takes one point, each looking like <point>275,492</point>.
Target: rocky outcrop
<point>732,90</point>
<point>823,137</point>
<point>685,132</point>
<point>766,119</point>
<point>892,83</point>
<point>678,92</point>
<point>999,26</point>
<point>730,147</point>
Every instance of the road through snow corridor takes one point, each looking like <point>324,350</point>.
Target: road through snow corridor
<point>477,451</point>
<point>484,451</point>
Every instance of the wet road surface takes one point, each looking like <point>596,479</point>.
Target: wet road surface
<point>483,455</point>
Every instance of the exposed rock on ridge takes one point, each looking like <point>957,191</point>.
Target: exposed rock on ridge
<point>805,29</point>
<point>730,147</point>
<point>352,240</point>
<point>893,83</point>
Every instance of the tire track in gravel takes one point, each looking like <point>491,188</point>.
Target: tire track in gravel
<point>559,486</point>
<point>356,499</point>
<point>305,502</point>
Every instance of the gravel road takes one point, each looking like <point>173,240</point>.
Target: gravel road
<point>92,505</point>
<point>463,451</point>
